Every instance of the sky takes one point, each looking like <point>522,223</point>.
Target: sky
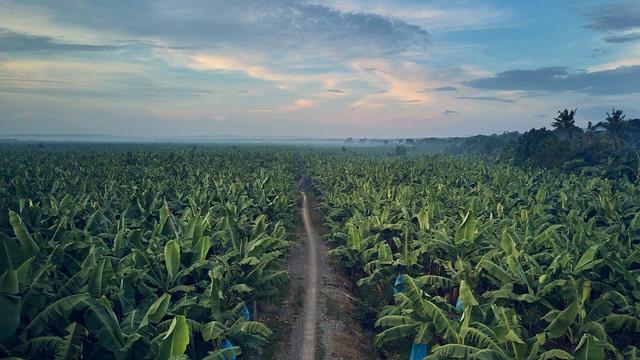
<point>335,68</point>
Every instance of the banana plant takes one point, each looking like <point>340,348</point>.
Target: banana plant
<point>549,258</point>
<point>140,253</point>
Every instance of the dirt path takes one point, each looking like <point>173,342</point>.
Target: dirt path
<point>311,290</point>
<point>316,319</point>
<point>327,320</point>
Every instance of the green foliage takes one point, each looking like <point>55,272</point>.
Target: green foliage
<point>175,341</point>
<point>122,252</point>
<point>172,259</point>
<point>400,150</point>
<point>565,125</point>
<point>541,148</point>
<point>607,149</point>
<point>544,264</point>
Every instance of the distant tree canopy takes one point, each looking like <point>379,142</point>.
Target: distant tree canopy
<point>542,148</point>
<point>609,148</point>
<point>400,150</point>
<point>565,125</point>
<point>617,130</point>
<point>486,144</point>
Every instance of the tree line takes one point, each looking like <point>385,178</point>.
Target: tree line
<point>608,148</point>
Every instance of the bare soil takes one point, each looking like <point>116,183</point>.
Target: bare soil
<point>315,319</point>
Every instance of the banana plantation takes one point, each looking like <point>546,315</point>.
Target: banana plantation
<point>476,260</point>
<point>140,253</point>
<point>166,251</point>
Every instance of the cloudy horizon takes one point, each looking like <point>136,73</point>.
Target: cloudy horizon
<point>335,68</point>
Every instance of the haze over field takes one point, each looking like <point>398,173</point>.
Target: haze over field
<point>332,68</point>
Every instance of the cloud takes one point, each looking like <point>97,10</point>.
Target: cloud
<point>595,53</point>
<point>16,42</point>
<point>450,112</point>
<point>621,80</point>
<point>223,63</point>
<point>446,88</point>
<point>620,38</point>
<point>394,81</point>
<point>296,105</point>
<point>435,15</point>
<point>440,89</point>
<point>301,104</point>
<point>613,65</point>
<point>619,21</point>
<point>116,91</point>
<point>614,16</point>
<point>91,79</point>
<point>253,65</point>
<point>487,98</point>
<point>47,69</point>
<point>256,24</point>
<point>111,93</point>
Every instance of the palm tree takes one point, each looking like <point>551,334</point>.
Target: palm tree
<point>590,133</point>
<point>617,128</point>
<point>634,125</point>
<point>565,124</point>
<point>565,119</point>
